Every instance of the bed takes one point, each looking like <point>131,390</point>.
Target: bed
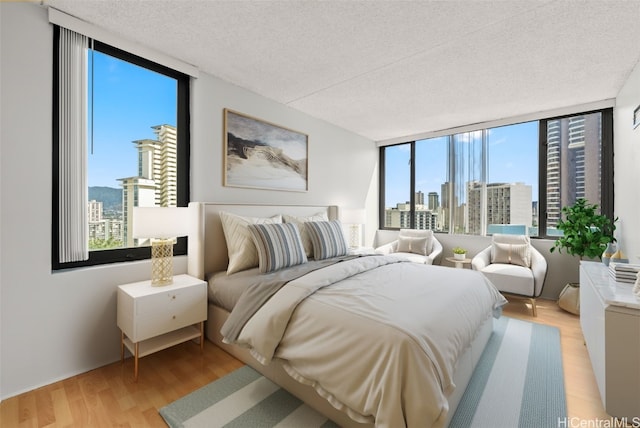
<point>365,340</point>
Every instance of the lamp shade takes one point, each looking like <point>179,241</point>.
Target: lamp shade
<point>160,222</point>
<point>353,216</point>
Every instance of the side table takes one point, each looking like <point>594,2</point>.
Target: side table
<point>155,318</point>
<point>459,264</point>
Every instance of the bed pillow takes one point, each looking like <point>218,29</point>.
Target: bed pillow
<point>304,233</point>
<point>511,249</point>
<point>240,247</point>
<point>410,241</point>
<point>327,238</point>
<point>278,245</point>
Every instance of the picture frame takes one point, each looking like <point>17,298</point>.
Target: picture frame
<point>262,155</point>
<point>636,117</point>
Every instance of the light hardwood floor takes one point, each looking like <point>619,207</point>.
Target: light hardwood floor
<point>108,396</point>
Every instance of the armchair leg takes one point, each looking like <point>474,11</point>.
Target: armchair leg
<point>534,310</point>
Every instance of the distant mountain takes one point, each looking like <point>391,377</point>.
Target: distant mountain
<point>111,198</point>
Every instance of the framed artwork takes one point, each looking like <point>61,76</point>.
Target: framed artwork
<point>636,117</point>
<point>262,155</point>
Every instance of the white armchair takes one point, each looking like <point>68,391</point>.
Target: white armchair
<point>419,246</point>
<point>514,266</point>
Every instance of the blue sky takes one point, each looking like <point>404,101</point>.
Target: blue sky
<point>513,157</point>
<point>128,101</point>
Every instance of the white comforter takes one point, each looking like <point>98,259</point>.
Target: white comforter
<point>377,338</point>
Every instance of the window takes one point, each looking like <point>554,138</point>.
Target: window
<point>574,157</point>
<point>137,149</point>
<point>397,171</point>
<point>499,180</point>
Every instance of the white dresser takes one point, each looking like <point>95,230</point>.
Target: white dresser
<point>610,321</point>
<point>154,318</point>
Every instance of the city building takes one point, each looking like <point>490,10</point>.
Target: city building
<point>102,228</point>
<point>400,217</point>
<point>573,147</point>
<point>156,182</point>
<point>506,204</point>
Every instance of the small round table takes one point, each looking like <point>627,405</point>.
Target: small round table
<point>459,263</point>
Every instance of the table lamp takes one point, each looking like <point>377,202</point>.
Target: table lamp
<point>355,218</point>
<point>161,225</point>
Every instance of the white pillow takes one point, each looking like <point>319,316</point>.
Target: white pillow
<point>418,233</point>
<point>511,249</point>
<point>412,244</point>
<point>241,250</point>
<point>304,233</point>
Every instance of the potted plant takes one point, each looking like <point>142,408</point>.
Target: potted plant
<point>459,253</point>
<point>585,234</point>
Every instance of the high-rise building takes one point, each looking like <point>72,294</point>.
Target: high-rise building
<point>94,211</point>
<point>506,203</point>
<point>101,228</point>
<point>573,163</point>
<point>434,201</point>
<point>156,182</point>
<point>419,198</point>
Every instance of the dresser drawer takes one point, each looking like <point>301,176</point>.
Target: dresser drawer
<point>165,312</point>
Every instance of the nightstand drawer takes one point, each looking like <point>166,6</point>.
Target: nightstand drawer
<point>179,312</point>
<point>170,301</point>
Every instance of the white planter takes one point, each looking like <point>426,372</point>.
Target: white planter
<point>459,256</point>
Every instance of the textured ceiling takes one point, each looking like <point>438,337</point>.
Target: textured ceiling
<point>388,69</point>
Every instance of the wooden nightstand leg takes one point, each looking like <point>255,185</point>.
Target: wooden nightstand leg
<point>201,336</point>
<point>135,364</point>
<point>122,346</point>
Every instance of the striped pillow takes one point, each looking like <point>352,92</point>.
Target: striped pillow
<point>279,246</point>
<point>511,249</point>
<point>515,254</point>
<point>327,238</point>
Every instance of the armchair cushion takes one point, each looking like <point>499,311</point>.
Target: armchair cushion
<point>406,236</point>
<point>517,254</point>
<point>412,244</point>
<point>510,278</point>
<point>511,249</point>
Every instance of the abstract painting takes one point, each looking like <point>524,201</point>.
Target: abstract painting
<point>263,155</point>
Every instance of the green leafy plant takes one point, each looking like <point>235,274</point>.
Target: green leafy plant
<point>459,250</point>
<point>585,232</point>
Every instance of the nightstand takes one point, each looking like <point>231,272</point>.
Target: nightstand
<point>156,318</point>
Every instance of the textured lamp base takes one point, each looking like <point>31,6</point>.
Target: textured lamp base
<point>162,262</point>
<point>354,235</point>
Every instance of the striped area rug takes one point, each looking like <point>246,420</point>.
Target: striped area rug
<point>518,383</point>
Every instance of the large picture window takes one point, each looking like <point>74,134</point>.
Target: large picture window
<point>137,150</point>
<point>507,179</point>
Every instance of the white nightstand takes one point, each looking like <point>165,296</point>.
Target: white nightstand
<point>155,318</point>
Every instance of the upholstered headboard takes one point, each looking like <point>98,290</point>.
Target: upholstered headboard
<point>207,245</point>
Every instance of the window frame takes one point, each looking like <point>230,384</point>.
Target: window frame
<point>118,255</point>
<point>606,202</point>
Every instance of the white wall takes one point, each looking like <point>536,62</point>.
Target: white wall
<point>627,166</point>
<point>54,325</point>
<point>341,166</point>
